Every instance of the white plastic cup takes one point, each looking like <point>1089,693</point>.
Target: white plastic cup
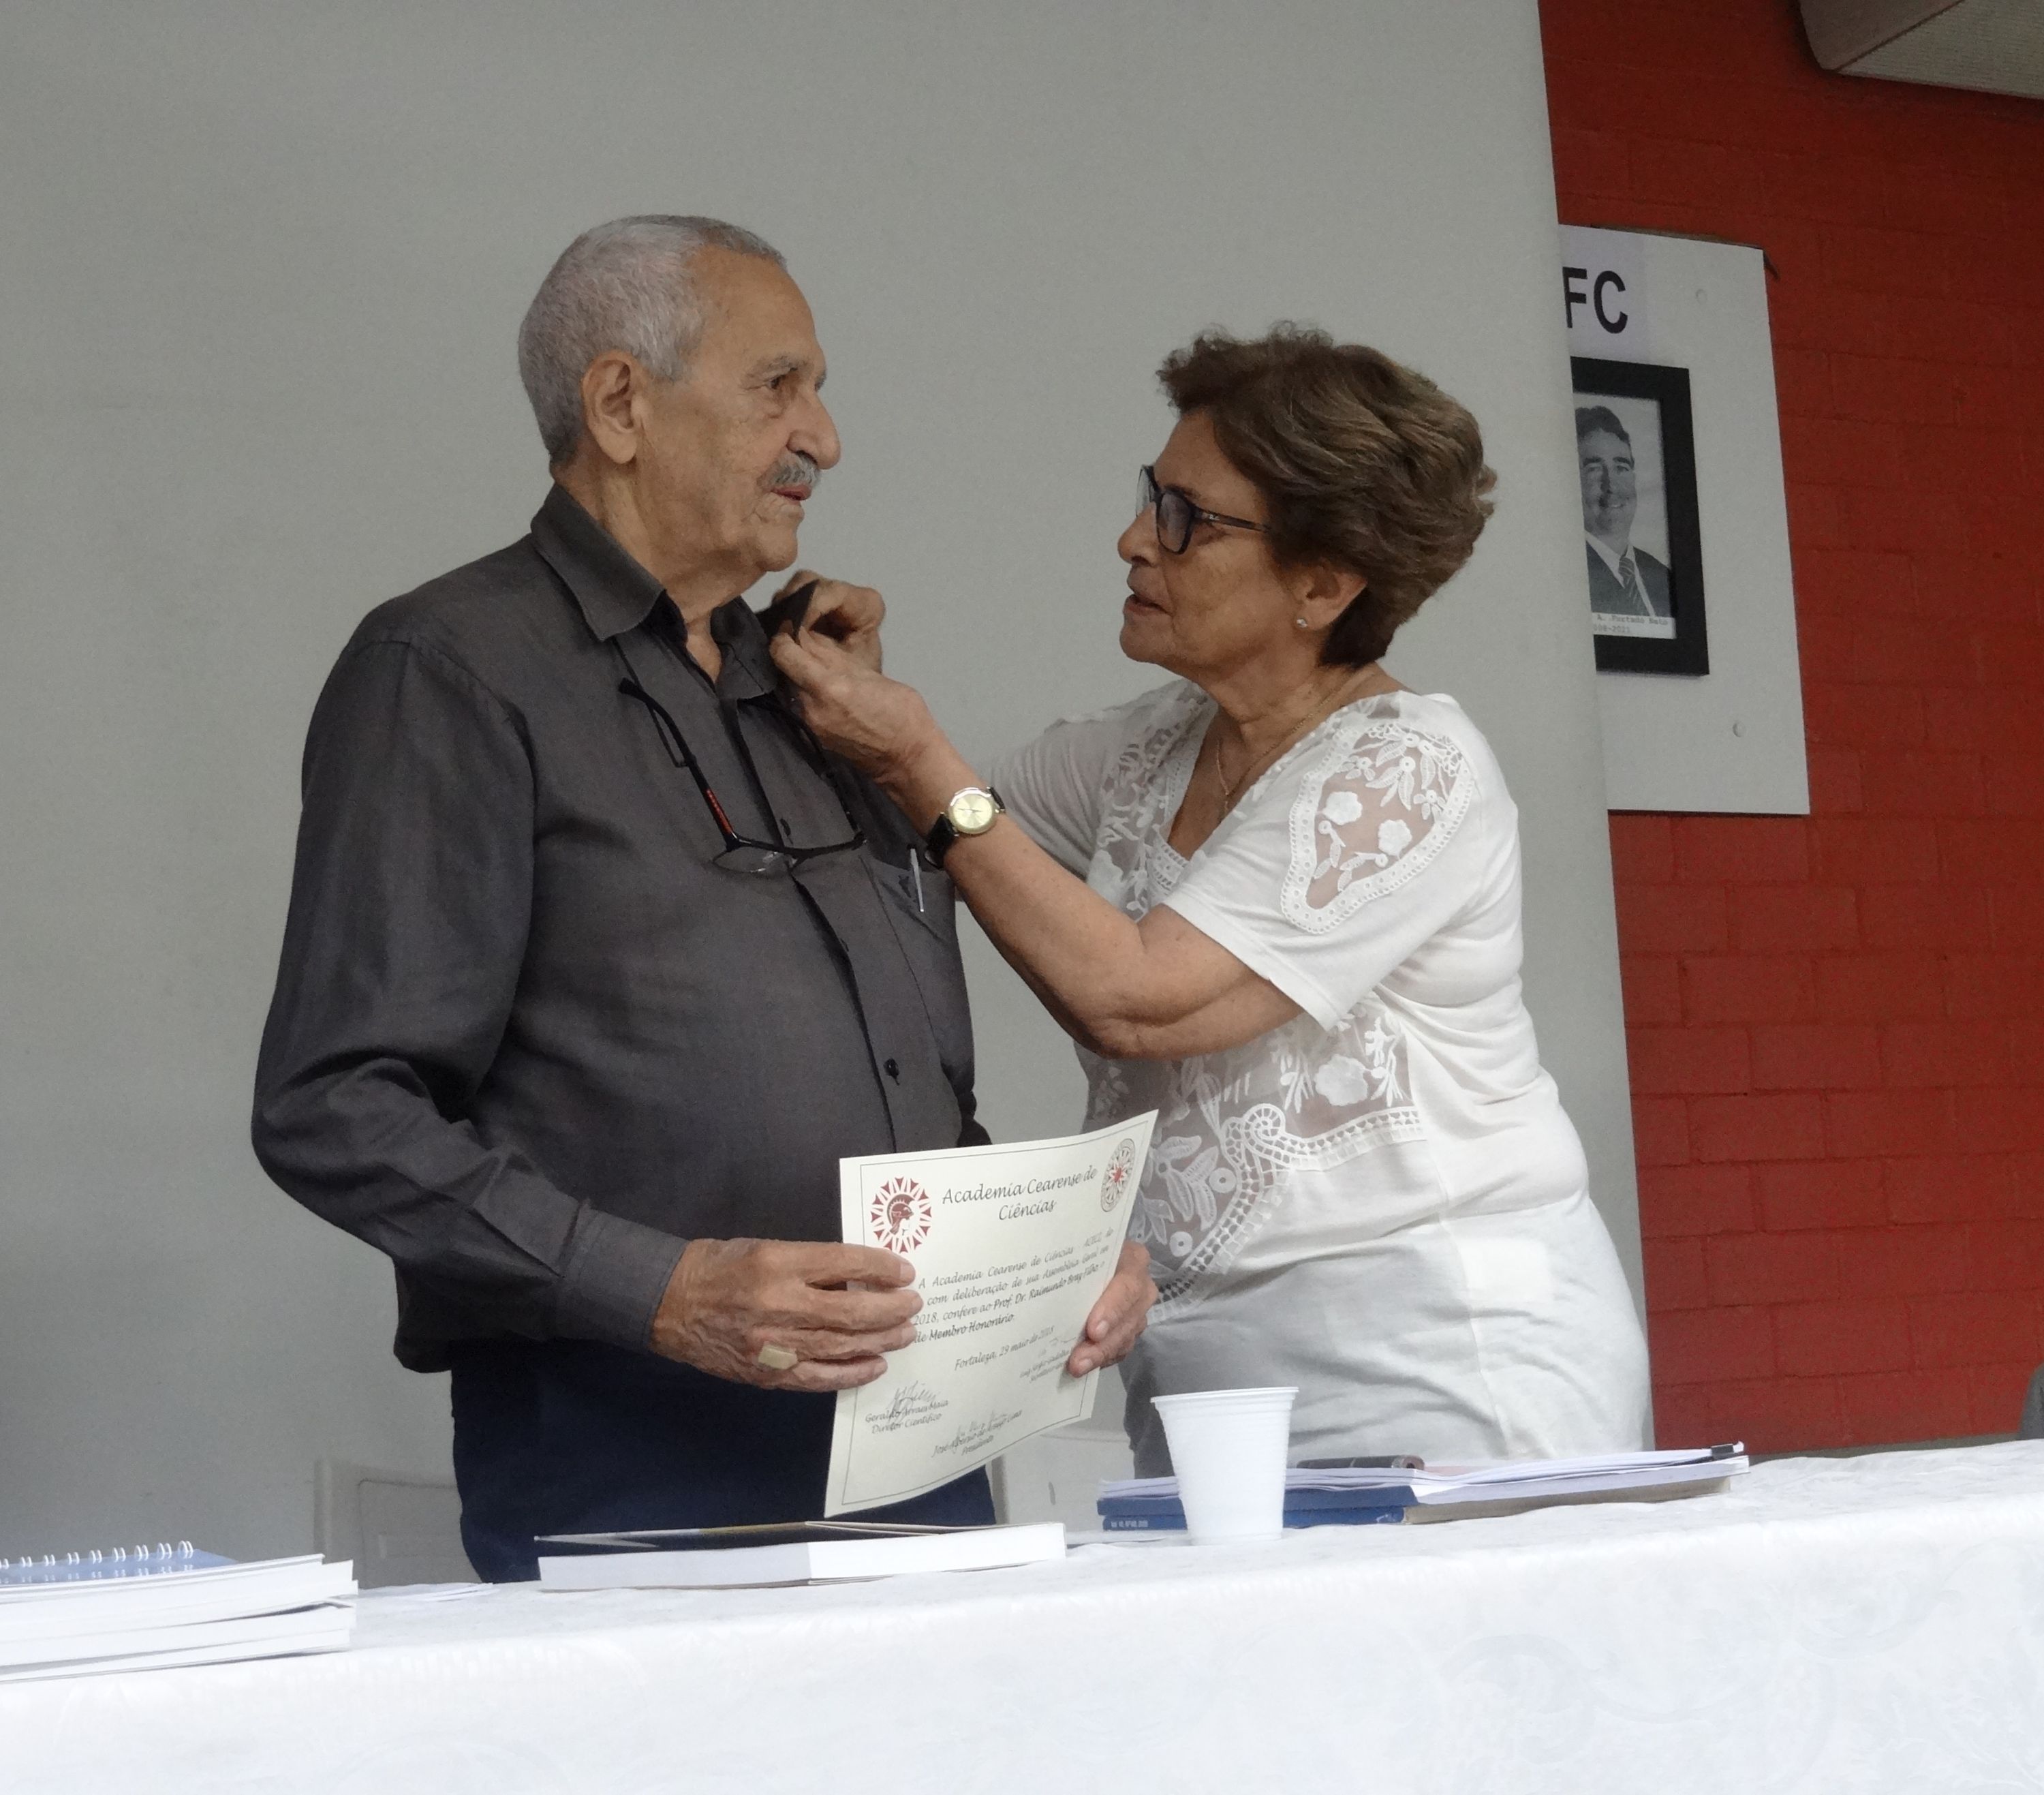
<point>1228,1449</point>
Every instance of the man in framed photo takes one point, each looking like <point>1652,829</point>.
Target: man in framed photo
<point>1625,581</point>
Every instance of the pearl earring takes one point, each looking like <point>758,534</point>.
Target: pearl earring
<point>1299,622</point>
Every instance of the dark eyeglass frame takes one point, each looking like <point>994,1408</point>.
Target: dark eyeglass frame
<point>1177,514</point>
<point>743,853</point>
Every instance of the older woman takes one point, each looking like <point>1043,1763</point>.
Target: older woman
<point>1277,900</point>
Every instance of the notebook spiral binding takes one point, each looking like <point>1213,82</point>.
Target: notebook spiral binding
<point>164,1553</point>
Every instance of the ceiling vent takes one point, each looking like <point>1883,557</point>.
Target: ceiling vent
<point>1997,46</point>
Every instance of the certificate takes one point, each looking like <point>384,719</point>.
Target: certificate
<point>1011,1246</point>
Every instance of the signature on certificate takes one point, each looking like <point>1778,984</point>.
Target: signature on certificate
<point>912,1401</point>
<point>975,1436</point>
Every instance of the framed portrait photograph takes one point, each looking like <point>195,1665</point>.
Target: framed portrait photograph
<point>1643,551</point>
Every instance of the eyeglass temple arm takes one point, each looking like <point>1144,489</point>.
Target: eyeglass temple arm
<point>677,745</point>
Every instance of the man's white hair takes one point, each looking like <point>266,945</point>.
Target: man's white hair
<point>624,286</point>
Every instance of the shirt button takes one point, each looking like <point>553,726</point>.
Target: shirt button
<point>894,1071</point>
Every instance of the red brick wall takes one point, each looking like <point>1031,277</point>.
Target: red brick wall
<point>1837,1023</point>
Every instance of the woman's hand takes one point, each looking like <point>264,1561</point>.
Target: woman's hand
<point>849,615</point>
<point>880,725</point>
<point>1119,1316</point>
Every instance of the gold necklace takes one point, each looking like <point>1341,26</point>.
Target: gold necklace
<point>1312,719</point>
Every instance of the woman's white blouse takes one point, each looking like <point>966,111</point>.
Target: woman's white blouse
<point>1395,1151</point>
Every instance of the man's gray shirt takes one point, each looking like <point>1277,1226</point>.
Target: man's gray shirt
<point>528,1038</point>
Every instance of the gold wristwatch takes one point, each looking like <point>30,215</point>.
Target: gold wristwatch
<point>971,811</point>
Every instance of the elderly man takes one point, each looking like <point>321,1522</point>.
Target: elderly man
<point>1624,581</point>
<point>596,964</point>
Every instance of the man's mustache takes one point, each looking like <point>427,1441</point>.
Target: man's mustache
<point>794,469</point>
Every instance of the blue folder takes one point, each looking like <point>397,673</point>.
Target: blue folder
<point>1302,1508</point>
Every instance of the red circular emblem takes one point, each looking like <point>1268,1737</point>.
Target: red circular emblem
<point>899,1214</point>
<point>1120,1168</point>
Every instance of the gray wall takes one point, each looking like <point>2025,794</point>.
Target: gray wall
<point>262,265</point>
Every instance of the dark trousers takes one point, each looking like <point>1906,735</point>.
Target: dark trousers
<point>568,1436</point>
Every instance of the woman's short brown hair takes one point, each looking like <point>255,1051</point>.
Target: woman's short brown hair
<point>1363,465</point>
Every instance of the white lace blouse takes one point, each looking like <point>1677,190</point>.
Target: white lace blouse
<point>1381,1201</point>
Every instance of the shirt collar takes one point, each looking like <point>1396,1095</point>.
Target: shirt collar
<point>749,671</point>
<point>1615,562</point>
<point>615,594</point>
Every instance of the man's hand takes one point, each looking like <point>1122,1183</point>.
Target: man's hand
<point>728,1298</point>
<point>848,615</point>
<point>1120,1315</point>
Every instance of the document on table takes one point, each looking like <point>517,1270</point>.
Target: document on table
<point>1011,1246</point>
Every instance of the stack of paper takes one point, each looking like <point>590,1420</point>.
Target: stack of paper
<point>1348,1496</point>
<point>85,1614</point>
<point>829,1551</point>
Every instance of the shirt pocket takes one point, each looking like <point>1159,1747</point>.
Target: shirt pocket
<point>927,934</point>
<point>925,896</point>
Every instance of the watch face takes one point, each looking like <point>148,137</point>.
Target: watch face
<point>972,813</point>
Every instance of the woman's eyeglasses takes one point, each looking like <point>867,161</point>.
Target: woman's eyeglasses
<point>1177,514</point>
<point>743,853</point>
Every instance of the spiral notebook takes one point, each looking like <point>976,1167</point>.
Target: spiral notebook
<point>118,1564</point>
<point>140,1607</point>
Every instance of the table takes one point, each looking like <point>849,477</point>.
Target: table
<point>1839,1625</point>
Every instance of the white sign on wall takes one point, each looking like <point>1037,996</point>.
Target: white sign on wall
<point>1603,295</point>
<point>1730,740</point>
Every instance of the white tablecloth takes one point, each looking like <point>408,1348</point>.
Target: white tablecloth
<point>1855,1625</point>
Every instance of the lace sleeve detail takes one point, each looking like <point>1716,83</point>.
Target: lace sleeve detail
<point>1079,784</point>
<point>1374,811</point>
